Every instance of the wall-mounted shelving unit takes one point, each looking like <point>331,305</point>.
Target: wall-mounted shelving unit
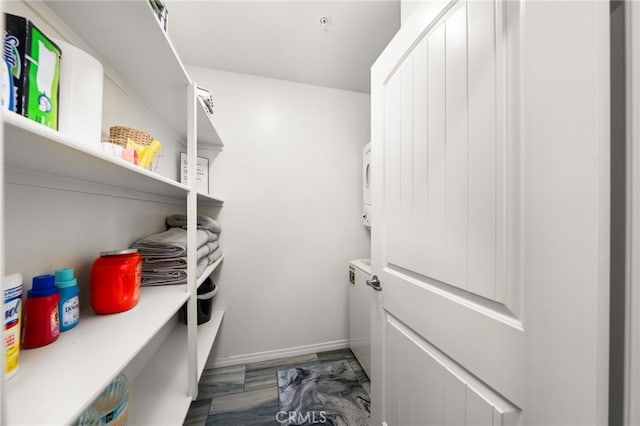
<point>149,334</point>
<point>104,343</point>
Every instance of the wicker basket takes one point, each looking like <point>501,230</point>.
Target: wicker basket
<point>120,134</point>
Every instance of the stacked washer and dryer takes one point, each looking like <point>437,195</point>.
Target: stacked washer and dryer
<point>359,273</point>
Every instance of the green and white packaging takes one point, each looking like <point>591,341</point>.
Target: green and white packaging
<point>35,67</point>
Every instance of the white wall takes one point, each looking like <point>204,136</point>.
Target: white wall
<point>290,177</point>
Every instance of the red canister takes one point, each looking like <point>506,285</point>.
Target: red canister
<point>41,320</point>
<point>115,281</point>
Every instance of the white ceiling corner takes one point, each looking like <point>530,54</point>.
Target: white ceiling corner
<point>285,39</point>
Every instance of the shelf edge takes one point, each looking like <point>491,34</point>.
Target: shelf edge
<point>208,200</point>
<point>207,334</point>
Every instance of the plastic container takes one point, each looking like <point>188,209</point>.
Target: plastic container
<point>12,307</point>
<point>206,292</point>
<point>204,305</point>
<point>41,321</point>
<point>115,281</point>
<point>111,407</point>
<point>69,305</point>
<point>90,417</point>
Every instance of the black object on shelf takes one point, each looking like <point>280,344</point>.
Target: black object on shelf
<point>204,305</point>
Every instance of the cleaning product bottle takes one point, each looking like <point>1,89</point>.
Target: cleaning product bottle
<point>69,305</point>
<point>41,322</point>
<point>12,289</point>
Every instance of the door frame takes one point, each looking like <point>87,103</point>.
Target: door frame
<point>632,352</point>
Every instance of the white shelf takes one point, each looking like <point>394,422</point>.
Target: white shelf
<point>207,333</point>
<point>206,200</point>
<point>208,137</point>
<point>159,394</point>
<point>127,36</point>
<point>63,378</point>
<point>33,147</point>
<point>208,271</point>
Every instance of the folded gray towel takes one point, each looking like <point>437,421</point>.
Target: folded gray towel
<point>164,260</point>
<point>207,249</point>
<point>152,263</point>
<point>170,276</point>
<point>171,243</point>
<point>202,222</point>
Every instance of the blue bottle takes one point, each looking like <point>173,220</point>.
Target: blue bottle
<point>69,305</point>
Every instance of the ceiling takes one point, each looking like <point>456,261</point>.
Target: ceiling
<point>286,39</point>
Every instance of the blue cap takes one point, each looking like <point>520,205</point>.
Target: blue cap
<point>64,278</point>
<point>43,286</point>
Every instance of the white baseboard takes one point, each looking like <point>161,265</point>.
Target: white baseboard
<point>277,353</point>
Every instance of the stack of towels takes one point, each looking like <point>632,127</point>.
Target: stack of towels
<point>164,255</point>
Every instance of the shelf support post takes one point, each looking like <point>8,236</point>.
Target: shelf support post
<point>192,199</point>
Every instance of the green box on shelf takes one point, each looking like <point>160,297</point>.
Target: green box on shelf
<point>34,64</point>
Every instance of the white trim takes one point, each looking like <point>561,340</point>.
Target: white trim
<point>192,212</point>
<point>278,353</point>
<point>632,344</point>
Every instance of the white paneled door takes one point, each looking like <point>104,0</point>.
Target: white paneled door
<point>490,222</point>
